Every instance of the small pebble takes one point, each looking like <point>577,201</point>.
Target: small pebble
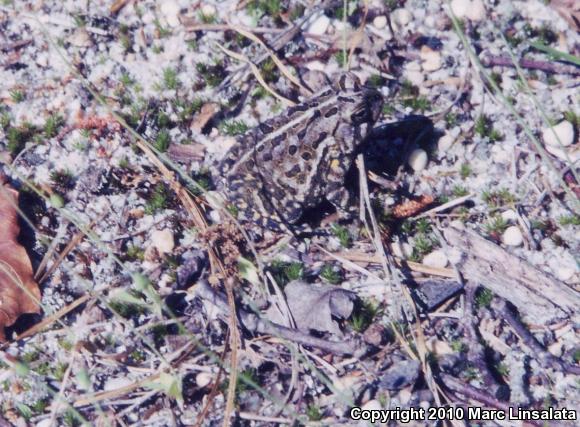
<point>401,17</point>
<point>203,379</point>
<point>569,154</point>
<point>431,59</point>
<point>565,273</point>
<point>418,159</point>
<point>372,405</point>
<point>208,10</point>
<point>80,38</point>
<point>471,9</point>
<point>512,236</point>
<point>445,143</point>
<point>163,241</point>
<point>564,131</point>
<point>319,26</point>
<point>170,9</point>
<point>436,259</point>
<point>509,215</point>
<point>380,22</point>
<point>416,78</point>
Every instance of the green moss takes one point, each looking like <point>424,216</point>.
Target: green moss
<point>496,226</point>
<point>17,137</point>
<point>161,30</point>
<point>330,274</point>
<point>163,140</point>
<point>259,8</point>
<point>342,234</point>
<point>285,272</point>
<point>569,220</point>
<point>17,95</point>
<point>207,19</point>
<point>465,170</point>
<point>483,298</point>
<point>233,127</point>
<point>170,79</point>
<point>459,191</point>
<point>314,413</point>
<point>363,316</point>
<point>451,120</point>
<point>158,199</point>
<point>499,197</point>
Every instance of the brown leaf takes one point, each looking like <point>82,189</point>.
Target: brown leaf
<point>18,290</point>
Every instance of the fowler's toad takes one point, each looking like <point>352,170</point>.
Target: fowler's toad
<point>291,162</point>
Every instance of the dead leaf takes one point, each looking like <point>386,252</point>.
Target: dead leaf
<point>18,290</point>
<point>313,306</point>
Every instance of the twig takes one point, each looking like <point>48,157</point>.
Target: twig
<point>532,64</point>
<point>545,358</point>
<point>480,396</point>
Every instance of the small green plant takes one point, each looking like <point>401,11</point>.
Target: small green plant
<point>423,244</point>
<point>233,127</point>
<point>499,197</point>
<point>450,120</point>
<point>271,8</point>
<point>465,170</point>
<point>329,274</point>
<point>502,369</point>
<point>161,30</point>
<point>459,346</point>
<point>204,180</point>
<point>207,19</point>
<point>18,136</point>
<point>483,298</point>
<point>496,226</point>
<point>4,120</point>
<point>363,315</point>
<point>269,70</point>
<point>388,109</point>
<point>376,81</point>
<point>158,199</point>
<point>423,226</point>
<point>126,80</point>
<point>407,89</point>
<point>135,252</point>
<point>170,79</point>
<point>285,272</point>
<point>313,413</point>
<point>342,58</point>
<point>163,140</point>
<point>459,191</point>
<point>249,375</point>
<point>342,234</point>
<point>186,109</point>
<point>212,75</point>
<point>419,103</point>
<point>63,179</point>
<point>17,95</point>
<point>52,125</point>
<point>569,220</point>
<point>484,128</point>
